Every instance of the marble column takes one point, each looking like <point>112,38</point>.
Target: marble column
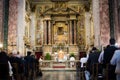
<point>70,37</point>
<point>49,33</point>
<point>52,33</point>
<point>45,32</point>
<point>118,23</point>
<point>68,32</point>
<point>21,26</point>
<point>75,27</point>
<point>1,20</point>
<point>96,19</point>
<point>117,20</point>
<point>104,21</point>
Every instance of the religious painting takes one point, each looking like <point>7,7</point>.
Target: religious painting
<point>38,35</point>
<point>60,31</point>
<point>38,39</point>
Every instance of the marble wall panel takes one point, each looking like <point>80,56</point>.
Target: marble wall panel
<point>12,24</point>
<point>104,22</point>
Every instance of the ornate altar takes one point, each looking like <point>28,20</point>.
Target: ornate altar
<point>60,26</point>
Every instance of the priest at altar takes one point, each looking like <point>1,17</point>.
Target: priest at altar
<point>60,56</point>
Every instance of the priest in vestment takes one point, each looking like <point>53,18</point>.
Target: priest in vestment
<point>61,56</point>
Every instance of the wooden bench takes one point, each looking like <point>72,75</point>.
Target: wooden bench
<point>80,71</point>
<point>97,71</point>
<point>16,74</point>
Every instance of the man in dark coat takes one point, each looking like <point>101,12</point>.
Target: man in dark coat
<point>108,53</point>
<point>4,67</point>
<point>29,65</point>
<point>15,60</point>
<point>92,59</point>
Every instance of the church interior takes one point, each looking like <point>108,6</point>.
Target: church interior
<point>55,30</point>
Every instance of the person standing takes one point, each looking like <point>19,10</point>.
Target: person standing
<point>108,53</point>
<point>92,59</point>
<point>72,63</point>
<point>29,65</point>
<point>116,61</point>
<point>100,59</point>
<point>83,60</point>
<point>4,66</point>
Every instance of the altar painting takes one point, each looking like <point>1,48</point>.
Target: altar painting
<point>39,30</point>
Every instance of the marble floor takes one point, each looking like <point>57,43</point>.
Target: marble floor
<point>58,75</point>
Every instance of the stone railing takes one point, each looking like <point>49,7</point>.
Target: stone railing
<point>55,65</point>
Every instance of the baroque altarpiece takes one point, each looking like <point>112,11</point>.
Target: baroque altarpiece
<point>60,25</point>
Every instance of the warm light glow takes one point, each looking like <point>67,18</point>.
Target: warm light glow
<point>1,45</point>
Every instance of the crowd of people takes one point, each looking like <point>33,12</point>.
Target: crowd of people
<point>26,65</point>
<point>109,55</point>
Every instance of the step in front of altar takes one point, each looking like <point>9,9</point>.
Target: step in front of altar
<point>58,65</point>
<point>55,65</point>
<point>55,69</point>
